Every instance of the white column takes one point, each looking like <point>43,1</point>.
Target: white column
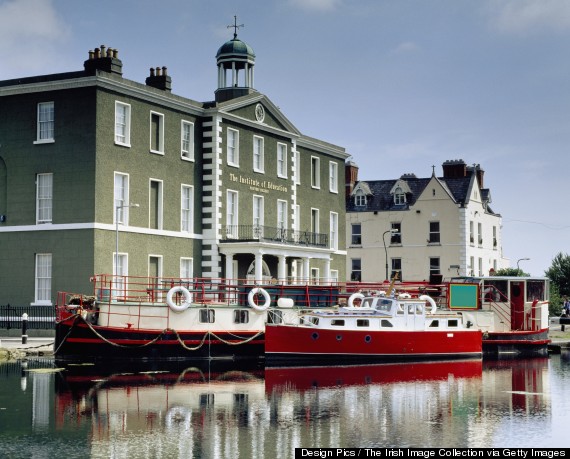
<point>258,267</point>
<point>282,268</point>
<point>251,79</point>
<point>246,73</point>
<point>327,273</point>
<point>229,266</point>
<point>306,270</point>
<point>234,74</point>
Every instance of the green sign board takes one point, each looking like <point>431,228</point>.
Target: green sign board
<point>463,296</point>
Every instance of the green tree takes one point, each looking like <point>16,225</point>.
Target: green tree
<point>559,273</point>
<point>517,272</point>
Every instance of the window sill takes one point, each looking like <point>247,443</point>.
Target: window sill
<point>156,152</point>
<point>186,158</point>
<point>121,144</point>
<point>42,141</point>
<point>259,171</point>
<point>41,303</point>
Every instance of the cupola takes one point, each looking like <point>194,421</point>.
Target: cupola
<point>235,61</point>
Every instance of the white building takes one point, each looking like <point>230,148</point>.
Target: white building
<point>422,228</point>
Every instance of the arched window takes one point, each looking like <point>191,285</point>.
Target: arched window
<point>399,196</point>
<point>359,198</point>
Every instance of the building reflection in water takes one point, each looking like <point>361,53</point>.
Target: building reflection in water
<point>229,413</point>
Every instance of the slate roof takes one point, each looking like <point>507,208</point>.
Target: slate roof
<point>380,198</point>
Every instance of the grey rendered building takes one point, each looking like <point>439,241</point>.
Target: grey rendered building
<point>99,174</point>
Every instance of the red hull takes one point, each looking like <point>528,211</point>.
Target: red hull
<point>284,342</point>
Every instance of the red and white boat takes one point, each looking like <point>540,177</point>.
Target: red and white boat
<point>380,328</point>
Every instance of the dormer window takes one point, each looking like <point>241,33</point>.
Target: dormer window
<point>399,196</point>
<point>359,198</point>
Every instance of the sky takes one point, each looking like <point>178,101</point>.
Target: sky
<point>402,85</point>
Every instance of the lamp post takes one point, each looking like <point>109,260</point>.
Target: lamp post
<point>391,231</point>
<point>519,260</point>
<point>117,208</point>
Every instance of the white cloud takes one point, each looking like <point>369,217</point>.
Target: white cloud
<point>316,5</point>
<point>406,47</point>
<point>522,16</point>
<point>30,31</point>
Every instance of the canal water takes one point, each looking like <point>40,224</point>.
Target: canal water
<point>220,411</point>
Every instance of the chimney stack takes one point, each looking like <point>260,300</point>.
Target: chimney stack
<point>455,168</point>
<point>103,59</point>
<point>159,79</point>
<point>350,177</point>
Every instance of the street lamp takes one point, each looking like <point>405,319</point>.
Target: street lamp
<point>521,259</point>
<point>392,231</point>
<point>117,208</point>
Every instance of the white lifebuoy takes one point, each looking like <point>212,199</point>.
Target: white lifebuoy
<point>258,291</point>
<point>431,301</point>
<point>172,304</point>
<point>353,297</point>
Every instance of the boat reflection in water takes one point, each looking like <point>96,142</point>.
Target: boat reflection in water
<point>222,412</point>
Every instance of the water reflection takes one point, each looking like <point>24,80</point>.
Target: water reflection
<point>221,411</point>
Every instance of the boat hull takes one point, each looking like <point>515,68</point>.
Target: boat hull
<point>307,344</point>
<point>77,340</point>
<point>516,343</point>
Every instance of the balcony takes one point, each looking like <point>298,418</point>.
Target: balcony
<point>249,233</point>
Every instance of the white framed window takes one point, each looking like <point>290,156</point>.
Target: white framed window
<point>187,208</point>
<point>356,269</point>
<point>122,124</point>
<point>399,196</point>
<point>232,152</point>
<point>480,233</point>
<point>282,160</point>
<point>315,172</point>
<point>120,272</point>
<point>232,214</point>
<point>434,235</point>
<point>296,217</point>
<point>186,268</point>
<point>44,198</point>
<point>333,177</point>
<point>46,121</point>
<point>43,278</point>
<point>356,235</point>
<point>297,168</point>
<point>121,194</point>
<point>434,265</point>
<point>315,215</point>
<point>155,199</point>
<point>281,214</point>
<point>359,198</point>
<point>258,215</point>
<point>315,276</point>
<point>471,266</point>
<point>396,233</point>
<point>334,276</point>
<point>333,231</point>
<point>396,268</point>
<point>258,154</point>
<point>156,133</point>
<point>187,140</point>
<point>480,267</point>
<point>471,233</point>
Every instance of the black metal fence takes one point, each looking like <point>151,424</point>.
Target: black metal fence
<point>39,317</point>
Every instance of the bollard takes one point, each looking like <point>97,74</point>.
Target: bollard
<point>24,328</point>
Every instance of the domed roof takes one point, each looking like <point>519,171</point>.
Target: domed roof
<point>235,47</point>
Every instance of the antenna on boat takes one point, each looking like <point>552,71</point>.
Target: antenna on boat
<point>391,290</point>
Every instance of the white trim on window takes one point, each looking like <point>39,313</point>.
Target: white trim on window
<point>186,208</point>
<point>281,160</point>
<point>156,120</point>
<point>46,123</point>
<point>315,172</point>
<point>281,214</point>
<point>232,216</point>
<point>333,231</point>
<point>258,154</point>
<point>187,140</point>
<point>297,157</point>
<point>186,268</point>
<point>232,147</point>
<point>122,124</point>
<point>258,214</point>
<point>43,279</point>
<point>333,177</point>
<point>121,198</point>
<point>157,206</point>
<point>44,198</point>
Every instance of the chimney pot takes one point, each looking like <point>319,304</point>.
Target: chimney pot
<point>97,55</point>
<point>152,71</point>
<point>91,53</point>
<point>115,53</point>
<point>164,71</point>
<point>158,71</point>
<point>103,50</point>
<point>109,52</point>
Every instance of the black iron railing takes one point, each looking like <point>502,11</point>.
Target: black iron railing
<point>239,233</point>
<point>39,317</point>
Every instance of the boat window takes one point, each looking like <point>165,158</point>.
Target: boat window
<point>206,399</point>
<point>495,290</point>
<point>337,322</point>
<point>386,323</point>
<point>384,305</point>
<point>411,308</point>
<point>452,323</point>
<point>314,320</point>
<point>419,309</point>
<point>434,324</point>
<point>275,317</point>
<point>241,316</point>
<point>400,309</point>
<point>535,290</point>
<point>367,303</point>
<point>207,316</point>
<point>362,323</point>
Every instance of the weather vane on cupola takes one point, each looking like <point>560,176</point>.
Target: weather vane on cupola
<point>235,26</point>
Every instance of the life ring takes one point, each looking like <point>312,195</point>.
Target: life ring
<point>353,297</point>
<point>251,299</point>
<point>172,304</point>
<point>431,301</point>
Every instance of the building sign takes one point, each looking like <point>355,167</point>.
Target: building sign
<point>261,186</point>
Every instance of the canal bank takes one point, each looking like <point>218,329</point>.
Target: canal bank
<point>12,348</point>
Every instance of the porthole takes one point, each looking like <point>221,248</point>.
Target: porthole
<point>339,337</point>
<point>315,335</point>
<point>367,338</point>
